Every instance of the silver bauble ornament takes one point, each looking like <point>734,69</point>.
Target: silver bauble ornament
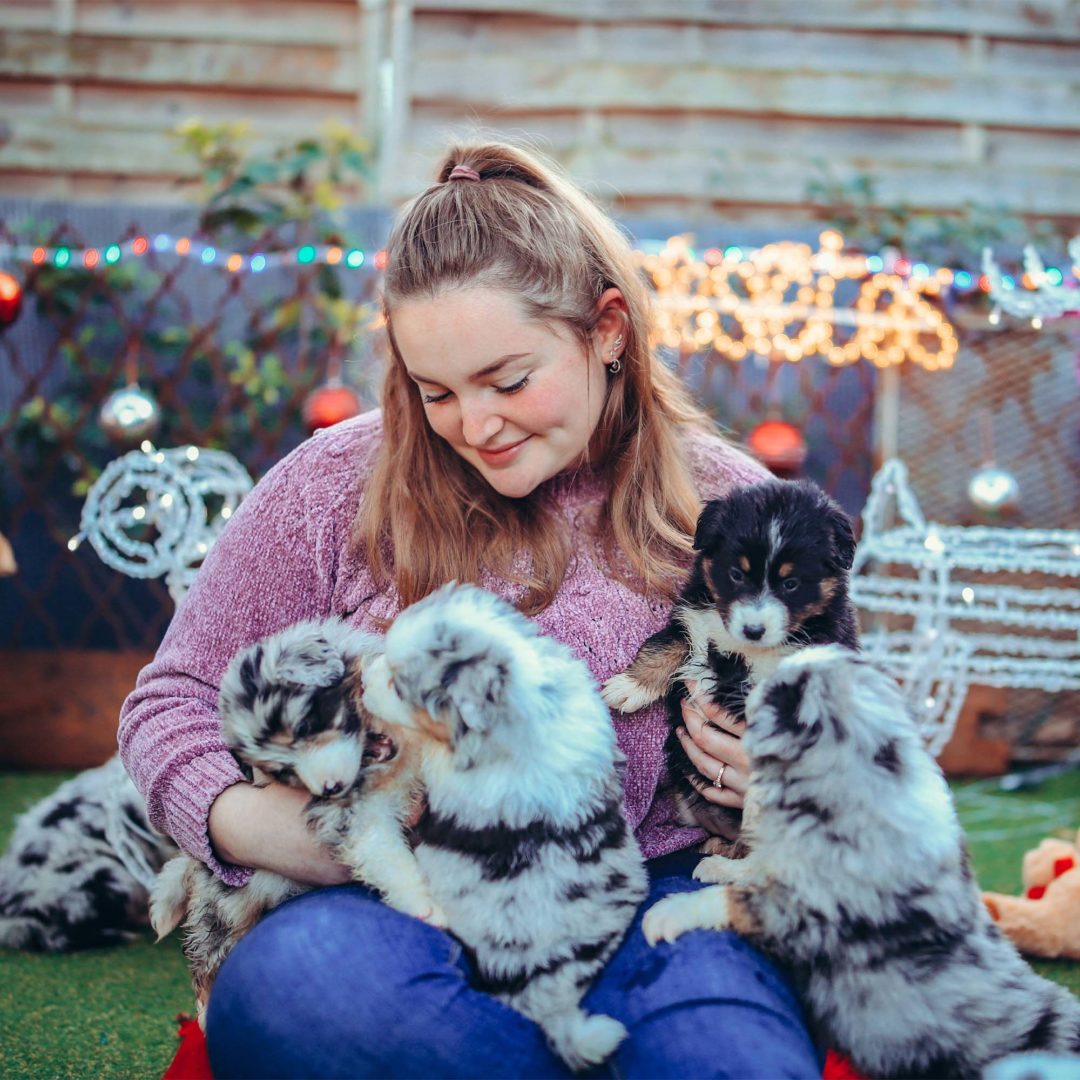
<point>993,490</point>
<point>130,415</point>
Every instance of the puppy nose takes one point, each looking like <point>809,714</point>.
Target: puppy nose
<point>331,788</point>
<point>753,633</point>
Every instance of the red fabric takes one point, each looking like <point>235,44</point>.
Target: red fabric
<point>1036,892</point>
<point>1063,866</point>
<point>191,1061</point>
<point>837,1067</point>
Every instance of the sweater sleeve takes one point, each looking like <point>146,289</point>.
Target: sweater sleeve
<point>274,564</point>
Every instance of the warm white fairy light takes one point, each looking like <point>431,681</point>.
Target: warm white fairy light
<point>963,631</point>
<point>147,514</point>
<point>780,302</point>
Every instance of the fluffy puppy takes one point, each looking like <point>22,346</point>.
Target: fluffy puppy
<point>290,710</point>
<point>524,840</point>
<point>73,875</point>
<point>858,882</point>
<point>770,576</point>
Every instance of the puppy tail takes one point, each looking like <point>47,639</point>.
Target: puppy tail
<point>169,896</point>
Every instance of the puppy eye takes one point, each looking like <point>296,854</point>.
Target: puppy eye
<point>736,576</point>
<point>791,584</point>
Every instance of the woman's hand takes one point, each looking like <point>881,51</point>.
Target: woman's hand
<point>263,827</point>
<point>712,739</point>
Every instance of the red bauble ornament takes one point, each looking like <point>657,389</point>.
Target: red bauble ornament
<point>779,446</point>
<point>329,404</point>
<point>11,298</point>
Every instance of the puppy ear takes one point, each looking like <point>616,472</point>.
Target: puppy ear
<point>306,658</point>
<point>711,522</point>
<point>843,535</point>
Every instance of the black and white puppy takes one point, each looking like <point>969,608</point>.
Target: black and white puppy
<point>291,710</point>
<point>75,873</point>
<point>858,882</point>
<point>524,842</point>
<point>770,577</point>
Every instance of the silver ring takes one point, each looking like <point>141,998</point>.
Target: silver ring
<point>717,783</point>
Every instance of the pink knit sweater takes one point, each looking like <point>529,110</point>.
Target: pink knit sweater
<point>284,558</point>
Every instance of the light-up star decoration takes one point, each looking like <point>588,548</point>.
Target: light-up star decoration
<point>781,303</point>
<point>155,513</point>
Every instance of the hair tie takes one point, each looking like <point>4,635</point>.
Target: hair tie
<point>463,172</point>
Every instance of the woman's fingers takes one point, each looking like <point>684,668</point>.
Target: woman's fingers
<point>714,742</point>
<point>713,714</point>
<point>732,779</point>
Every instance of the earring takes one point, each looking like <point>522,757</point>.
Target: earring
<point>616,363</point>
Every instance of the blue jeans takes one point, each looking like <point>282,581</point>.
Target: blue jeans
<point>336,984</point>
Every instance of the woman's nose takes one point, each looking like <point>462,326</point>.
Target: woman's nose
<point>479,423</point>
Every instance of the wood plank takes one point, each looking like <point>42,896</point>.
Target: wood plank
<point>312,68</point>
<point>60,709</point>
<point>954,97</point>
<point>1040,20</point>
<point>163,108</point>
<point>313,22</point>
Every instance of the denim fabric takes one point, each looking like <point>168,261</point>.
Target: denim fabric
<point>336,984</point>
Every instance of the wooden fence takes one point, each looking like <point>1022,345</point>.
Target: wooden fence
<point>691,109</point>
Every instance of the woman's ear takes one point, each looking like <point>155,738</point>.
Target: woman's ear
<point>612,323</point>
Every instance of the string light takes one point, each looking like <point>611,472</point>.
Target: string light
<point>963,626</point>
<point>780,301</point>
<point>184,247</point>
<point>1045,294</point>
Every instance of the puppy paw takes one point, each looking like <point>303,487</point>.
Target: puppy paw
<point>436,917</point>
<point>715,870</point>
<point>673,916</point>
<point>587,1041</point>
<point>625,694</point>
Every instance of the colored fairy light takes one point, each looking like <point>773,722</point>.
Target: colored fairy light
<point>1007,281</point>
<point>162,242</point>
<point>38,256</point>
<point>234,263</point>
<point>306,254</point>
<point>875,264</point>
<point>920,271</point>
<point>183,246</point>
<point>258,263</point>
<point>139,245</point>
<point>61,257</point>
<point>962,279</point>
<point>333,256</point>
<point>1054,276</point>
<point>733,252</point>
<point>209,254</point>
<point>354,259</point>
<point>112,254</point>
<point>90,258</point>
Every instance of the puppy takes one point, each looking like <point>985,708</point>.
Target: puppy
<point>290,711</point>
<point>770,576</point>
<point>858,882</point>
<point>75,872</point>
<point>524,840</point>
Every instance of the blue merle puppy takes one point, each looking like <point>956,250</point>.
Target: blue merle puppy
<point>857,881</point>
<point>770,577</point>
<point>291,712</point>
<point>524,842</point>
<point>74,873</point>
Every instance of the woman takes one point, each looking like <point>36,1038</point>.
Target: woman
<point>529,442</point>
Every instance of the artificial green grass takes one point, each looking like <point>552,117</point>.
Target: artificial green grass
<point>112,1013</point>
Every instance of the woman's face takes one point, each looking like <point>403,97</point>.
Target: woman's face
<point>517,399</point>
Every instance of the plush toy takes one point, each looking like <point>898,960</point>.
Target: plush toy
<point>1045,921</point>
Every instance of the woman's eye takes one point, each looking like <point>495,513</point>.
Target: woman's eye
<point>513,388</point>
<point>736,576</point>
<point>434,399</point>
<point>791,584</point>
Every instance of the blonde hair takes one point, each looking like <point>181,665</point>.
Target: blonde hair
<point>426,518</point>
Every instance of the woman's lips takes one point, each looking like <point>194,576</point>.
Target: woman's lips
<point>505,454</point>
